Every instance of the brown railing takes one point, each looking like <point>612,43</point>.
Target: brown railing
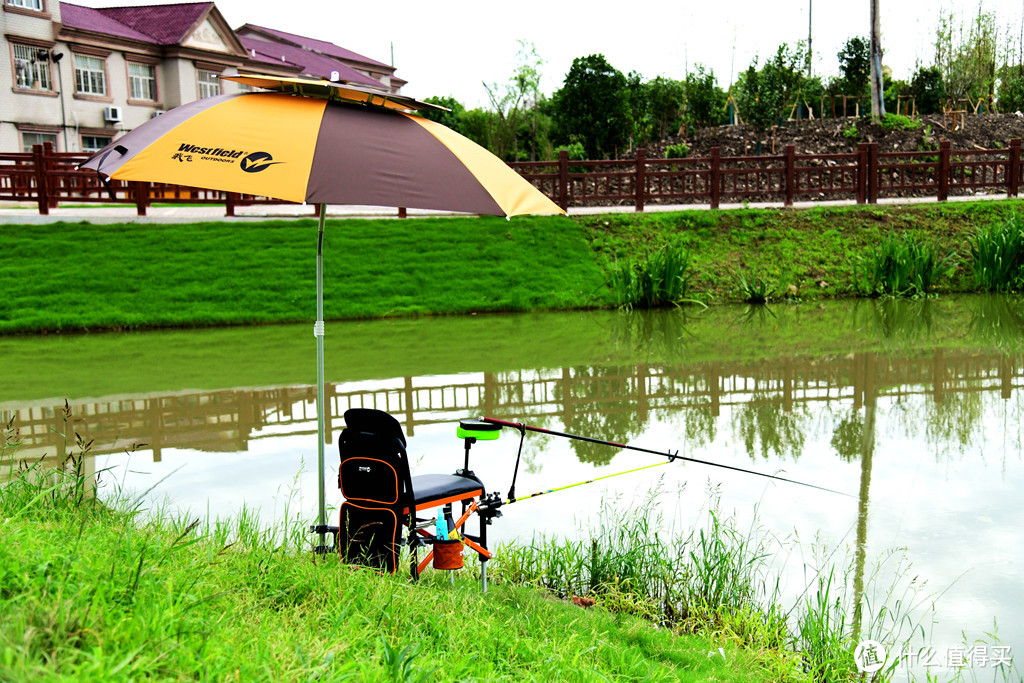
<point>50,178</point>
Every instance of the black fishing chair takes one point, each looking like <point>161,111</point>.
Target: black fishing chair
<point>382,498</point>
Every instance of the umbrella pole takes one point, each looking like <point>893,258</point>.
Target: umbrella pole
<point>318,332</point>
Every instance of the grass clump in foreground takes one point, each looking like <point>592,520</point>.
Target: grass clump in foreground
<point>93,591</point>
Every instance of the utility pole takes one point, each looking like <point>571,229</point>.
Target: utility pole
<point>810,51</point>
<point>877,90</point>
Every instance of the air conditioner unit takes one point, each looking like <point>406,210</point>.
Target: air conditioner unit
<point>156,113</point>
<point>112,114</point>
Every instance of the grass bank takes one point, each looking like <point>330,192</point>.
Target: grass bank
<point>92,591</point>
<point>78,276</point>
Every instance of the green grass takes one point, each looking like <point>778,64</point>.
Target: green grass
<point>109,592</point>
<point>77,277</point>
<point>66,277</point>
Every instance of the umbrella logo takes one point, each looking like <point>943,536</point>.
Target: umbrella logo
<point>257,161</point>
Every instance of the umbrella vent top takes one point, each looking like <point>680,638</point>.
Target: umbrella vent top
<point>333,90</point>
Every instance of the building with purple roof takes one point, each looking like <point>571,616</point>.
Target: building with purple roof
<point>80,77</point>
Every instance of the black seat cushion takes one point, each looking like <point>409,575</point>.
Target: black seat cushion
<point>439,487</point>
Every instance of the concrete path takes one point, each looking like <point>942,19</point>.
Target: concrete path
<point>25,212</point>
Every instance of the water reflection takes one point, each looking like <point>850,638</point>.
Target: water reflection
<point>773,404</point>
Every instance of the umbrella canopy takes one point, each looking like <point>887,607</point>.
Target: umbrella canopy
<point>320,151</point>
<point>320,142</point>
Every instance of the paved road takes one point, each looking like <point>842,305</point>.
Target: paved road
<point>24,212</point>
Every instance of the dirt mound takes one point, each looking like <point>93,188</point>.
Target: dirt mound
<point>835,136</point>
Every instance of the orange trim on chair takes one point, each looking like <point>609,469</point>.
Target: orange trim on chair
<point>476,546</point>
<point>398,484</point>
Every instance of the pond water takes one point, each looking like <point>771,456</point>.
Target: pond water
<point>911,408</point>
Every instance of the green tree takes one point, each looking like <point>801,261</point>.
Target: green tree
<point>1011,89</point>
<point>928,89</point>
<point>516,99</point>
<point>451,118</point>
<point>705,101</point>
<point>480,126</point>
<point>966,56</point>
<point>765,93</point>
<point>592,107</point>
<point>855,65</point>
<point>666,99</point>
<point>893,90</point>
<point>639,108</point>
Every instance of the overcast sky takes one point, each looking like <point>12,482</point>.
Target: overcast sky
<point>450,48</point>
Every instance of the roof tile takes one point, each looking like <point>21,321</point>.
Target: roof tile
<point>312,63</point>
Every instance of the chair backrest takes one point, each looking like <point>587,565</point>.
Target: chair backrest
<point>374,479</point>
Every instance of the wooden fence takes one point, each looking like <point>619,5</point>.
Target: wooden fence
<point>50,178</point>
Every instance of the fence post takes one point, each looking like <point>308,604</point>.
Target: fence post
<point>641,177</point>
<point>42,183</point>
<point>229,204</point>
<point>563,179</point>
<point>872,173</point>
<point>716,188</point>
<point>1013,169</point>
<point>790,189</point>
<point>141,191</point>
<point>943,170</point>
<point>862,172</point>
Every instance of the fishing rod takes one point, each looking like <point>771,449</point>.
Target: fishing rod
<point>513,499</point>
<point>672,456</point>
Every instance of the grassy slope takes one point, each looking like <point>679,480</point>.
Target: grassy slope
<point>815,249</point>
<point>64,277</point>
<point>78,276</point>
<point>89,594</point>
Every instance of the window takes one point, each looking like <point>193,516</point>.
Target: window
<point>36,5</point>
<point>28,139</point>
<point>142,82</point>
<point>209,84</point>
<point>90,75</point>
<point>31,67</point>
<point>94,143</point>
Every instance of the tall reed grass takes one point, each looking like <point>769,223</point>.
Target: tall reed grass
<point>722,579</point>
<point>901,266</point>
<point>657,280</point>
<point>997,255</point>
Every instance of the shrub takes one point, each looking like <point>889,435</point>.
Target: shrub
<point>897,122</point>
<point>576,151</point>
<point>851,133</point>
<point>678,150</point>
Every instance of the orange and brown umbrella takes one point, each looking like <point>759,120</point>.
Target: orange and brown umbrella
<point>324,148</point>
<point>320,142</point>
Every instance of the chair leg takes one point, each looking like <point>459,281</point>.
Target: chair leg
<point>414,571</point>
<point>483,559</point>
